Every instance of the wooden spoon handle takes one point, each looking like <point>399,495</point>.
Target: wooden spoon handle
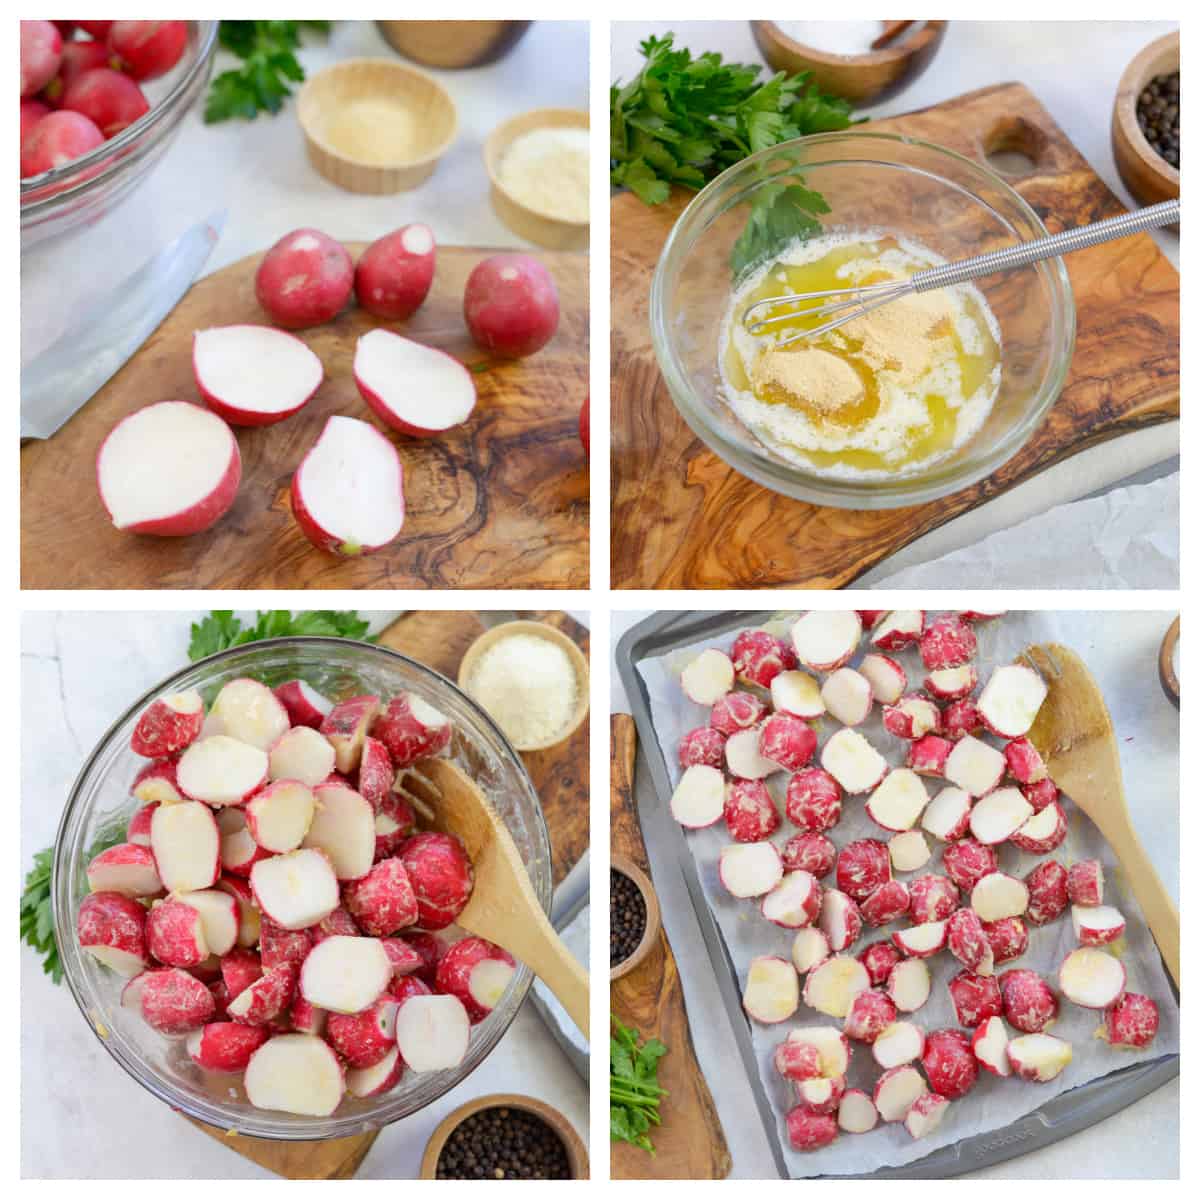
<point>1157,906</point>
<point>539,947</point>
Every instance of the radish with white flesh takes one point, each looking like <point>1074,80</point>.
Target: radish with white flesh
<point>345,728</point>
<point>301,754</point>
<point>772,991</point>
<point>1043,832</point>
<point>990,1046</point>
<point>411,729</point>
<point>786,740</point>
<point>909,851</point>
<point>949,1064</point>
<point>478,972</point>
<point>967,941</point>
<point>830,1043</point>
<point>960,718</point>
<point>345,974</point>
<point>797,693</point>
<point>1041,794</point>
<point>1085,882</point>
<point>825,641</point>
<point>169,724</point>
<point>137,831</point>
<point>395,823</point>
<point>295,1073</point>
<point>952,683</point>
<point>998,895</point>
<point>112,929</point>
<point>304,704</point>
<point>702,747</point>
<point>840,920</point>
<point>928,755</point>
<point>296,890</point>
<point>708,677</point>
<point>862,866</point>
<point>170,469</point>
<point>898,802</point>
<point>832,985</point>
<point>362,1082</point>
<point>254,374</point>
<point>813,801</point>
<point>968,861</point>
<point>348,492</point>
<point>857,1112</point>
<point>1007,937</point>
<point>364,1038</point>
<point>948,641</point>
<point>1025,764</point>
<point>743,759</point>
<point>155,783</point>
<point>921,941</point>
<point>343,826</point>
<point>262,1001</point>
<point>1010,700</point>
<point>998,815</point>
<point>1097,925</point>
<point>932,898</point>
<point>948,815</point>
<point>1029,1004</point>
<point>797,1060</point>
<point>172,1001</point>
<point>432,1032</point>
<point>239,850</point>
<point>926,1114</point>
<point>219,915</point>
<point>870,1013</point>
<point>249,920</point>
<point>1039,1057</point>
<point>886,676</point>
<point>251,713</point>
<point>821,1096</point>
<point>852,761</point>
<point>737,711</point>
<point>847,696</point>
<point>811,852</point>
<point>810,947</point>
<point>887,903</point>
<point>898,1043</point>
<point>186,846</point>
<point>239,969</point>
<point>808,1131</point>
<point>1091,978</point>
<point>224,1046</point>
<point>758,656</point>
<point>912,717</point>
<point>221,770</point>
<point>898,629</point>
<point>699,797</point>
<point>794,901</point>
<point>413,388</point>
<point>749,869</point>
<point>1131,1023</point>
<point>896,1091</point>
<point>909,984</point>
<point>128,869</point>
<point>280,815</point>
<point>975,766</point>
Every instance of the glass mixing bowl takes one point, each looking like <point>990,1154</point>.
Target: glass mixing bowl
<point>84,189</point>
<point>100,802</point>
<point>871,181</point>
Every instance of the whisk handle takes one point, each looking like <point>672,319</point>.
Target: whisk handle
<point>1048,247</point>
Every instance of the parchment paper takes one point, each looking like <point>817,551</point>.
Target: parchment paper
<point>993,1103</point>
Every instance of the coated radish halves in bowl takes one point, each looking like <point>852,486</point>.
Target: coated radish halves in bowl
<point>253,374</point>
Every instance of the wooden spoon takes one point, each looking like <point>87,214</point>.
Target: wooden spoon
<point>1074,734</point>
<point>503,907</point>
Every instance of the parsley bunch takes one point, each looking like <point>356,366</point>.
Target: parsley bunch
<point>633,1091</point>
<point>221,629</point>
<point>269,65</point>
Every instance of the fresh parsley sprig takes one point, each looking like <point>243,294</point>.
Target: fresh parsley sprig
<point>633,1092</point>
<point>269,66</point>
<point>221,629</point>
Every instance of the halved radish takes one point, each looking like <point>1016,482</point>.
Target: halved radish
<point>249,920</point>
<point>821,1097</point>
<point>853,761</point>
<point>1010,700</point>
<point>279,816</point>
<point>809,947</point>
<point>343,826</point>
<point>156,783</point>
<point>412,387</point>
<point>886,676</point>
<point>840,920</point>
<point>990,1046</point>
<point>221,770</point>
<point>921,941</point>
<point>743,759</point>
<point>897,1090</point>
<point>1097,925</point>
<point>239,850</point>
<point>295,1073</point>
<point>909,851</point>
<point>374,1081</point>
<point>951,683</point>
<point>975,766</point>
<point>830,1043</point>
<point>871,1011</point>
<point>847,696</point>
<point>186,846</point>
<point>794,901</point>
<point>857,1112</point>
<point>997,896</point>
<point>168,725</point>
<point>219,915</point>
<point>912,717</point>
<point>898,629</point>
<point>348,492</point>
<point>1091,978</point>
<point>898,802</point>
<point>832,985</point>
<point>170,469</point>
<point>432,1032</point>
<point>1044,831</point>
<point>295,890</point>
<point>797,693</point>
<point>749,869</point>
<point>302,754</point>
<point>909,984</point>
<point>772,992</point>
<point>346,728</point>
<point>304,704</point>
<point>948,815</point>
<point>926,1114</point>
<point>825,641</point>
<point>999,815</point>
<point>899,1043</point>
<point>254,374</point>
<point>112,929</point>
<point>345,974</point>
<point>128,869</point>
<point>708,677</point>
<point>699,797</point>
<point>1039,1056</point>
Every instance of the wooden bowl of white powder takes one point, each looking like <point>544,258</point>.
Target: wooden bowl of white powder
<point>531,679</point>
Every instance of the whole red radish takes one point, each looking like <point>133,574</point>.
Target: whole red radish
<point>58,138</point>
<point>148,49</point>
<point>32,111</point>
<point>511,305</point>
<point>41,49</point>
<point>77,57</point>
<point>97,29</point>
<point>304,279</point>
<point>394,274</point>
<point>112,100</point>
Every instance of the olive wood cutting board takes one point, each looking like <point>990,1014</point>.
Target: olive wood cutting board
<point>681,518</point>
<point>560,775</point>
<point>501,501</point>
<point>690,1143</point>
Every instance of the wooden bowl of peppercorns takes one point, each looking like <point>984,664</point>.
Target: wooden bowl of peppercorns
<point>634,918</point>
<point>505,1137</point>
<point>1145,122</point>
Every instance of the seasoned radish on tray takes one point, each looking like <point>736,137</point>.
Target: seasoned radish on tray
<point>253,374</point>
<point>411,387</point>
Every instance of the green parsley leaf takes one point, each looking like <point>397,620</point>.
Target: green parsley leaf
<point>261,84</point>
<point>633,1091</point>
<point>221,629</point>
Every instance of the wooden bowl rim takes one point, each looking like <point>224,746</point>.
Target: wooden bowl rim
<point>307,99</point>
<point>1133,79</point>
<point>1166,663</point>
<point>577,1155</point>
<point>627,867</point>
<point>537,629</point>
<point>507,132</point>
<point>851,62</point>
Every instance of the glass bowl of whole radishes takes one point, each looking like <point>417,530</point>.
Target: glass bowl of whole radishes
<point>100,103</point>
<point>224,906</point>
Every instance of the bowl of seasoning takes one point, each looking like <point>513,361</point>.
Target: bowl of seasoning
<point>1145,122</point>
<point>634,918</point>
<point>531,679</point>
<point>505,1137</point>
<point>538,166</point>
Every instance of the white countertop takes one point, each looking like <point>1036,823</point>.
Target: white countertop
<point>81,1115</point>
<point>1140,1143</point>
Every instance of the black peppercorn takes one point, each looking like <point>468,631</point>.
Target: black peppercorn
<point>1158,116</point>
<point>503,1143</point>
<point>626,917</point>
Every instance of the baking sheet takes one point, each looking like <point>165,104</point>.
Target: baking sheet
<point>993,1104</point>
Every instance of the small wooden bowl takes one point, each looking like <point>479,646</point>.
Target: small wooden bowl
<point>535,629</point>
<point>328,98</point>
<point>1145,173</point>
<point>577,1155</point>
<point>453,44</point>
<point>629,868</point>
<point>534,226</point>
<point>859,78</point>
<point>1166,663</point>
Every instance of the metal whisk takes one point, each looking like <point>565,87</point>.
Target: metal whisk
<point>858,301</point>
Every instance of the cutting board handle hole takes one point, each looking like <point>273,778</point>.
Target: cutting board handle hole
<point>1014,146</point>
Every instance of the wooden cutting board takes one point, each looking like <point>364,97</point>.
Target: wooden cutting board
<point>501,501</point>
<point>690,1143</point>
<point>560,775</point>
<point>681,518</point>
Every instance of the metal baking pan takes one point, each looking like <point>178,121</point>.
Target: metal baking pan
<point>1066,1114</point>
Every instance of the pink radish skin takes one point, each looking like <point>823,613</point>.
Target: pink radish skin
<point>32,111</point>
<point>510,305</point>
<point>411,729</point>
<point>412,388</point>
<point>364,1038</point>
<point>814,800</point>
<point>879,958</point>
<point>304,704</point>
<point>109,99</point>
<point>1007,937</point>
<point>1029,1004</point>
<point>395,272</point>
<point>224,1046</point>
<point>128,869</point>
<point>821,1096</point>
<point>77,57</point>
<point>441,875</point>
<point>41,50</point>
<point>305,279</point>
<point>750,813</point>
<point>808,1131</point>
<point>254,375</point>
<point>478,972</point>
<point>148,49</point>
<point>169,724</point>
<point>967,861</point>
<point>112,928</point>
<point>1085,882</point>
<point>174,1002</point>
<point>797,1060</point>
<point>759,656</point>
<point>975,998</point>
<point>1131,1023</point>
<point>345,727</point>
<point>949,1063</point>
<point>702,747</point>
<point>735,712</point>
<point>862,866</point>
<point>811,852</point>
<point>926,1114</point>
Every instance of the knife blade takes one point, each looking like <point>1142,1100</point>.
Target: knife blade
<point>65,376</point>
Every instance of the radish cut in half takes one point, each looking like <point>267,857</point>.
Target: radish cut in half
<point>831,1044</point>
<point>997,896</point>
<point>899,1043</point>
<point>750,869</point>
<point>975,766</point>
<point>847,696</point>
<point>909,984</point>
<point>743,759</point>
<point>170,469</point>
<point>432,1032</point>
<point>280,814</point>
<point>999,815</point>
<point>412,387</point>
<point>302,754</point>
<point>926,1114</point>
<point>343,826</point>
<point>186,846</point>
<point>1098,925</point>
<point>857,1113</point>
<point>295,890</point>
<point>887,677</point>
<point>794,901</point>
<point>708,677</point>
<point>1010,700</point>
<point>809,948</point>
<point>699,797</point>
<point>797,693</point>
<point>296,1073</point>
<point>832,986</point>
<point>772,992</point>
<point>853,761</point>
<point>345,974</point>
<point>897,1091</point>
<point>221,770</point>
<point>898,802</point>
<point>219,916</point>
<point>348,493</point>
<point>1038,1056</point>
<point>990,1045</point>
<point>825,641</point>
<point>373,1081</point>
<point>948,815</point>
<point>1091,978</point>
<point>254,374</point>
<point>251,712</point>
